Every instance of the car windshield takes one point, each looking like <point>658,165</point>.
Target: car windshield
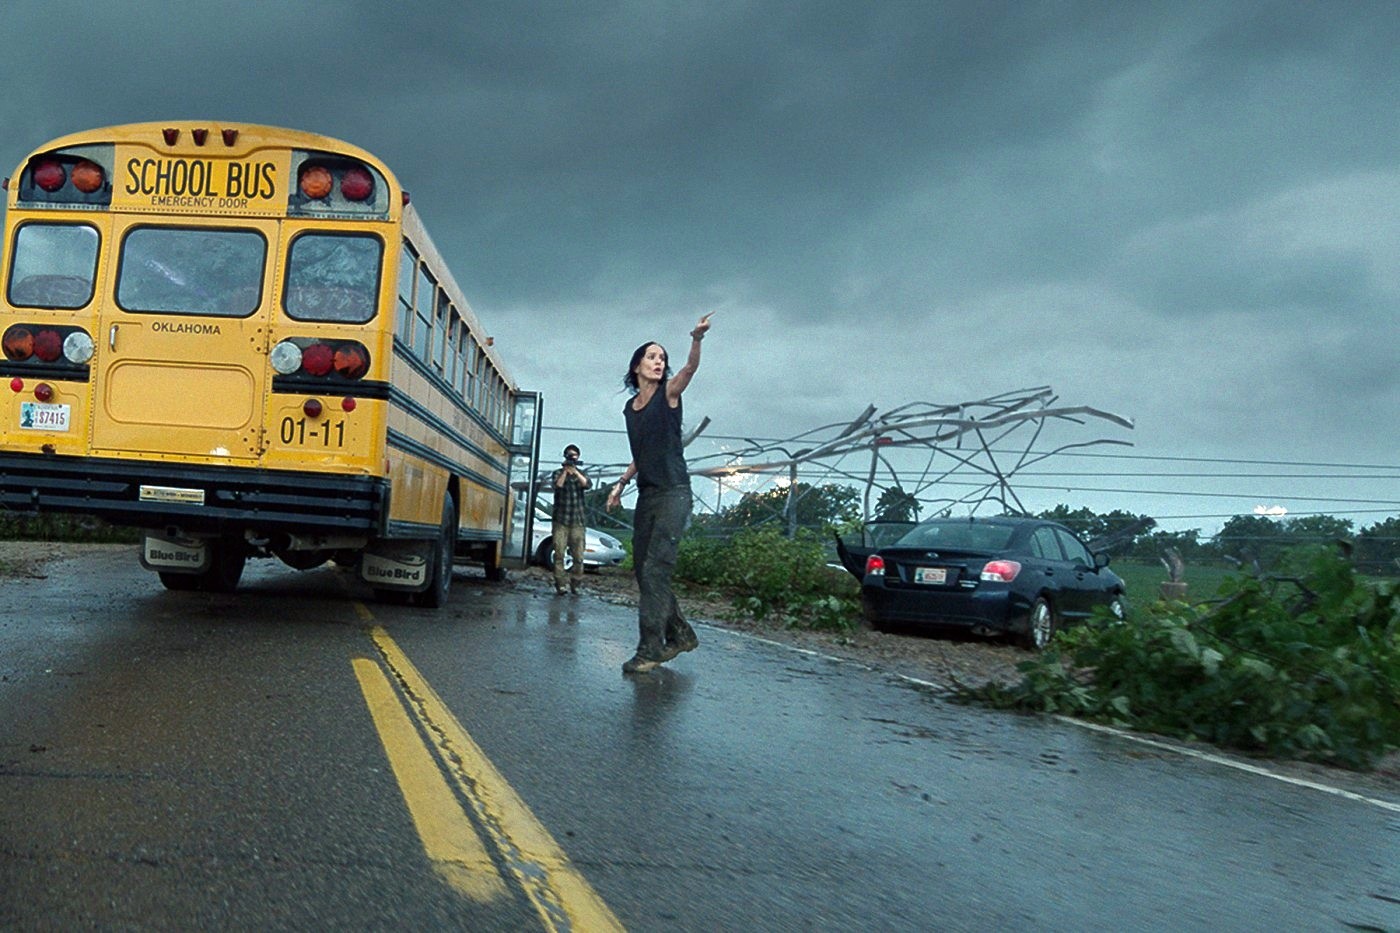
<point>966,536</point>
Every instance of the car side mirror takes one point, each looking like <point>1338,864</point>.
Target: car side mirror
<point>1100,560</point>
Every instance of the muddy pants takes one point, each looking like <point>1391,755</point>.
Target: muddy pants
<point>661,518</point>
<point>568,539</point>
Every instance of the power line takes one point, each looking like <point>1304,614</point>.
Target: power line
<point>1067,453</point>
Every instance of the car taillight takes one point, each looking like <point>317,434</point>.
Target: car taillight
<point>874,566</point>
<point>1000,571</point>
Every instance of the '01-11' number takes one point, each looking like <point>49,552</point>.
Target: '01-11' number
<point>330,434</point>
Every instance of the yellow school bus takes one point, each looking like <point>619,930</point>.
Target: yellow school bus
<point>242,341</point>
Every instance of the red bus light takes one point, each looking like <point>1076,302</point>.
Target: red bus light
<point>312,408</point>
<point>49,175</point>
<point>315,181</point>
<point>18,343</point>
<point>48,345</point>
<point>347,403</point>
<point>43,392</point>
<point>317,359</point>
<point>356,185</point>
<point>88,177</point>
<point>351,360</point>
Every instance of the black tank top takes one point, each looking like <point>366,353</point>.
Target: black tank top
<point>654,434</point>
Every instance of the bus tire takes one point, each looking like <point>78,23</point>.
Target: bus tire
<point>182,582</point>
<point>436,593</point>
<point>225,566</point>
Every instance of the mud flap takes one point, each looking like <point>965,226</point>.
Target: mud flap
<point>398,565</point>
<point>182,555</point>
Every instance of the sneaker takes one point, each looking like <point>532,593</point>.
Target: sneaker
<point>638,665</point>
<point>674,648</point>
<point>559,591</point>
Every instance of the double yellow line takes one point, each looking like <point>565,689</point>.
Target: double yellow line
<point>436,776</point>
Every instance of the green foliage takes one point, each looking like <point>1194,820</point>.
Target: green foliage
<point>1305,664</point>
<point>1378,547</point>
<point>896,505</point>
<point>48,526</point>
<point>1092,526</point>
<point>816,506</point>
<point>771,575</point>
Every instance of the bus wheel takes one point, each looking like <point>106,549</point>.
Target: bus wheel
<point>436,593</point>
<point>180,581</point>
<point>225,566</point>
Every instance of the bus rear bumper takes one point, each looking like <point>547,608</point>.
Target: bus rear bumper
<point>194,499</point>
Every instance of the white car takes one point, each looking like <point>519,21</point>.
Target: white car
<point>599,549</point>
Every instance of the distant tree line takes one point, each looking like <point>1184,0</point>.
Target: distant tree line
<point>1244,540</point>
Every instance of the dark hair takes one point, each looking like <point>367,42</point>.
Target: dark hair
<point>574,448</point>
<point>630,380</point>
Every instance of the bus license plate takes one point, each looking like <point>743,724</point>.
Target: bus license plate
<point>38,416</point>
<point>930,574</point>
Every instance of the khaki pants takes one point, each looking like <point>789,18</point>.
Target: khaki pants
<point>568,538</point>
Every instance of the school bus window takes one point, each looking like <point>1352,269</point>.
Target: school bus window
<point>423,300</point>
<point>453,358</point>
<point>444,311</point>
<point>464,369</point>
<point>333,277</point>
<point>53,265</point>
<point>173,270</point>
<point>408,271</point>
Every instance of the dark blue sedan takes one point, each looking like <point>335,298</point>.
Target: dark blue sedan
<point>1020,577</point>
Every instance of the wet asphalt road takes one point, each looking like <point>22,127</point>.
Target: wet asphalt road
<point>181,760</point>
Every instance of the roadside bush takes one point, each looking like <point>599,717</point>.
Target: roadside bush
<point>1305,664</point>
<point>770,575</point>
<point>45,526</point>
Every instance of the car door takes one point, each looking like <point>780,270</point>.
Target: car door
<point>1050,569</point>
<point>1081,586</point>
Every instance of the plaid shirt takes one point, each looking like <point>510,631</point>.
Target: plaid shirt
<point>568,501</point>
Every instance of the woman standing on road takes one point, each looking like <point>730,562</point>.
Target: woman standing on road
<point>653,416</point>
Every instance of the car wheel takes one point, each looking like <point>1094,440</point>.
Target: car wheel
<point>1041,625</point>
<point>544,556</point>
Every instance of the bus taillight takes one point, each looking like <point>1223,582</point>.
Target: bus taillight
<point>18,343</point>
<point>316,359</point>
<point>311,408</point>
<point>315,181</point>
<point>307,356</point>
<point>43,392</point>
<point>48,345</point>
<point>49,175</point>
<point>88,177</point>
<point>351,360</point>
<point>356,185</point>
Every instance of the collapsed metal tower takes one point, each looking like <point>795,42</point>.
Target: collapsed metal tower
<point>944,456</point>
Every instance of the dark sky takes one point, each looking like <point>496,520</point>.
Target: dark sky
<point>1182,213</point>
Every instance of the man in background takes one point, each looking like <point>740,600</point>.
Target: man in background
<point>569,519</point>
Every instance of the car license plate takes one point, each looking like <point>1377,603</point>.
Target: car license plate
<point>930,574</point>
<point>38,416</point>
